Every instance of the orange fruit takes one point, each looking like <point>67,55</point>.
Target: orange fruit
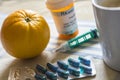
<point>25,34</point>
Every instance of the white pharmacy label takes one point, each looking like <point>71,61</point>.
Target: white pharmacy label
<point>65,21</point>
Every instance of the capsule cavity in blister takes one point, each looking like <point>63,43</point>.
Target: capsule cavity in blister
<point>52,67</point>
<point>51,75</point>
<point>62,73</point>
<point>40,77</point>
<point>74,71</point>
<point>87,70</point>
<point>84,61</point>
<point>41,69</point>
<point>74,63</point>
<point>62,65</point>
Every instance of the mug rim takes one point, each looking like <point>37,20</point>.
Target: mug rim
<point>103,7</point>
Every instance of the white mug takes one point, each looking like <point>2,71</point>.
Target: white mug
<point>108,24</point>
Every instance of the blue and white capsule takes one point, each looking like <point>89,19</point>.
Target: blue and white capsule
<point>52,67</point>
<point>74,71</point>
<point>86,69</point>
<point>62,65</point>
<point>84,61</point>
<point>74,63</point>
<point>40,77</point>
<point>51,75</point>
<point>62,73</point>
<point>41,69</point>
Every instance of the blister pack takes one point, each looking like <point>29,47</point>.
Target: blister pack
<point>67,69</point>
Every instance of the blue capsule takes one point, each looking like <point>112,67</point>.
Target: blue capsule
<point>74,72</point>
<point>87,70</point>
<point>52,67</point>
<point>63,74</point>
<point>74,63</point>
<point>84,61</point>
<point>62,65</point>
<point>41,69</point>
<point>40,77</point>
<point>51,75</point>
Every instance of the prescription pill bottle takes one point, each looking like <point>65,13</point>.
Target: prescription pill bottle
<point>64,17</point>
